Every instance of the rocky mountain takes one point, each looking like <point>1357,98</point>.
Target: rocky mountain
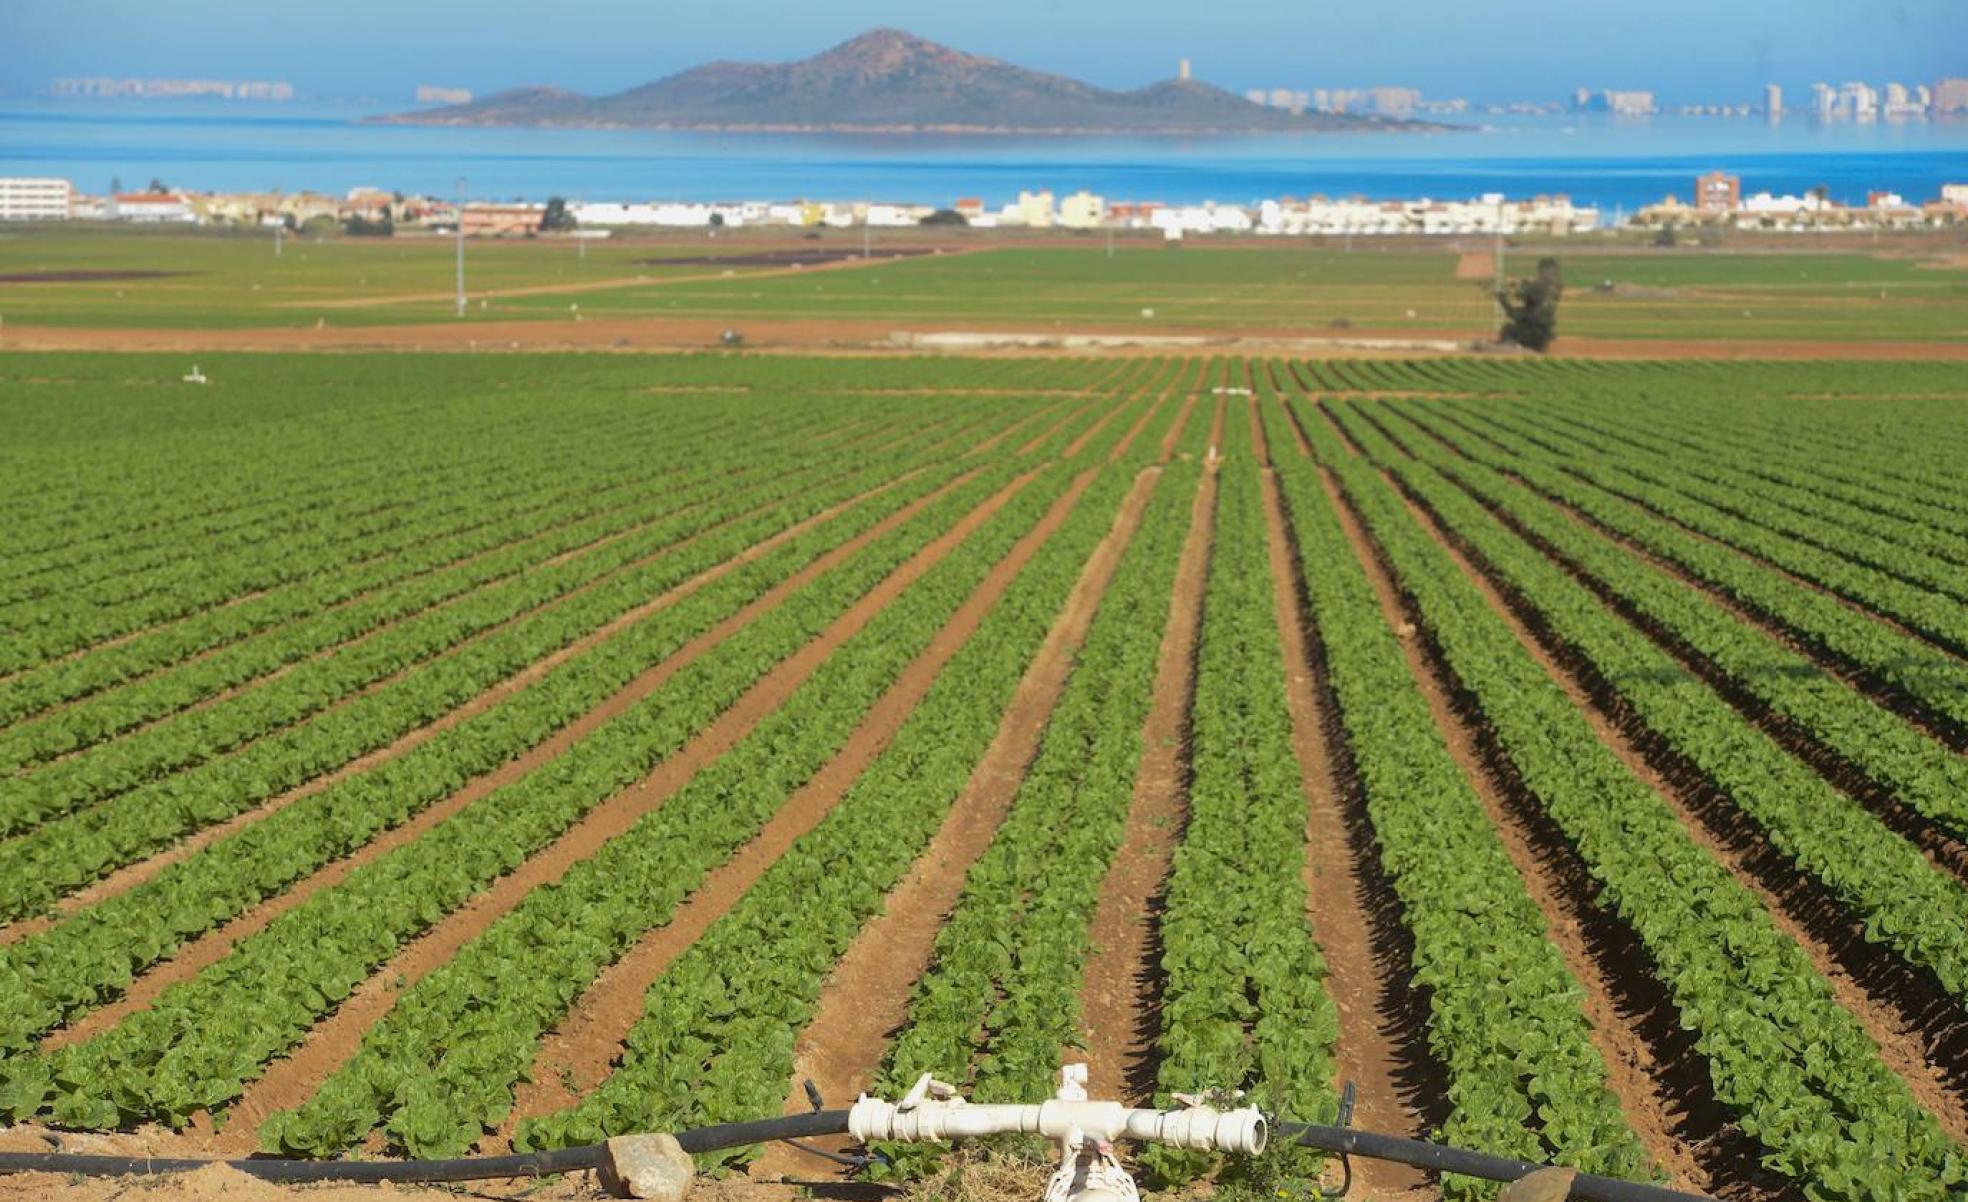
<point>888,80</point>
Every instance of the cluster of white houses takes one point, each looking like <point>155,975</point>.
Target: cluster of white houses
<point>1718,199</point>
<point>55,200</point>
<point>1086,211</point>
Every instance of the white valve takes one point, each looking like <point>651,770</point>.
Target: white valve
<point>1085,1130</point>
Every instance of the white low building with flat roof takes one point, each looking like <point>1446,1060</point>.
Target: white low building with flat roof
<point>32,198</point>
<point>1205,218</point>
<point>1486,214</point>
<point>612,213</point>
<point>152,208</point>
<point>894,215</point>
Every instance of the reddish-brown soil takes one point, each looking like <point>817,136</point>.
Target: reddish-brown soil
<point>581,1051</point>
<point>1644,1072</point>
<point>1215,452</point>
<point>1299,439</point>
<point>867,994</point>
<point>290,1081</point>
<point>1862,981</point>
<point>1354,914</point>
<point>867,335</point>
<point>1475,265</point>
<point>1119,1014</point>
<point>212,945</point>
<point>1634,1064</point>
<point>1174,435</point>
<point>1126,440</point>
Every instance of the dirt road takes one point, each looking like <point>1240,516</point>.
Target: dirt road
<point>865,336</point>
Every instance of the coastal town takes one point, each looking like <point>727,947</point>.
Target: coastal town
<point>1716,201</point>
<point>1852,100</point>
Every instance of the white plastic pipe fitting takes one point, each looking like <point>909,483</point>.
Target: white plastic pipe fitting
<point>932,1119</point>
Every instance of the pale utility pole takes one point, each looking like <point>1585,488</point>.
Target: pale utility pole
<point>461,246</point>
<point>867,231</point>
<point>1496,262</point>
<point>279,229</point>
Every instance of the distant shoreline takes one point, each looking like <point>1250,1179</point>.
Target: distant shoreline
<point>334,146</point>
<point>1063,131</point>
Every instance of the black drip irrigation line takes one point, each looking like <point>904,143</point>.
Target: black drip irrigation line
<point>1344,1140</point>
<point>481,1168</point>
<point>531,1164</point>
<point>1442,1159</point>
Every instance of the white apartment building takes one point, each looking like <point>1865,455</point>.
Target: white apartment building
<point>1034,210</point>
<point>26,198</point>
<point>1083,211</point>
<point>1860,101</point>
<point>1395,102</point>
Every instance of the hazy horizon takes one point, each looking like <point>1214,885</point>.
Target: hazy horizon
<point>1689,52</point>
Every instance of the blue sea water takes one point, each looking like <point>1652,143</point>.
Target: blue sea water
<point>1608,162</point>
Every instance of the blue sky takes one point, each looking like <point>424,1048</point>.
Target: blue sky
<point>1691,50</point>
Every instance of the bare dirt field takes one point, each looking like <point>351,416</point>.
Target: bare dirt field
<point>808,336</point>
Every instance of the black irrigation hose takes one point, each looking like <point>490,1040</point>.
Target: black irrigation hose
<point>1469,1164</point>
<point>532,1164</point>
<point>529,1164</point>
<point>823,1122</point>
